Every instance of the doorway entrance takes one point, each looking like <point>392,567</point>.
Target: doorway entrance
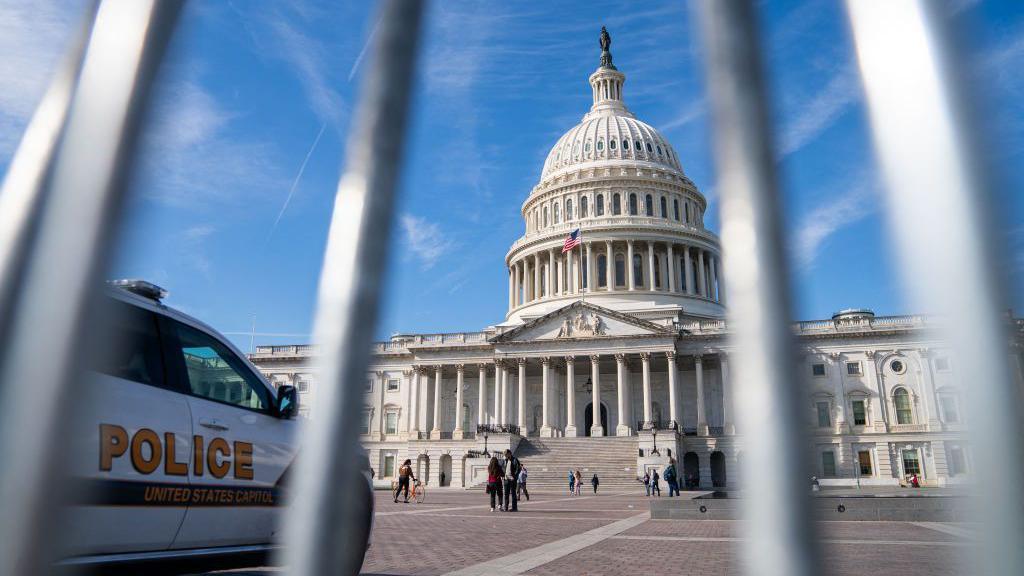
<point>588,418</point>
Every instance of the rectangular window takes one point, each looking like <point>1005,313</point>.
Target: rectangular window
<point>828,464</point>
<point>391,423</point>
<point>950,410</point>
<point>620,272</point>
<point>860,417</point>
<point>864,462</point>
<point>364,422</point>
<point>392,384</point>
<point>134,350</point>
<point>957,462</point>
<point>824,418</point>
<point>303,386</point>
<point>942,364</point>
<point>369,384</point>
<point>853,368</point>
<point>388,467</point>
<point>817,369</point>
<point>911,463</point>
<point>215,373</point>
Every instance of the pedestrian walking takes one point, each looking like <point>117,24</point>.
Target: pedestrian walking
<point>572,482</point>
<point>404,474</point>
<point>579,482</point>
<point>647,483</point>
<point>595,482</point>
<point>442,479</point>
<point>672,478</point>
<point>511,473</point>
<point>522,482</point>
<point>654,484</point>
<point>494,474</point>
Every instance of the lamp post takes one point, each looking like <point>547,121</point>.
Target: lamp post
<point>486,453</point>
<point>654,434</point>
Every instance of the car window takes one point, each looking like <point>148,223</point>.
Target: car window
<point>215,372</point>
<point>132,349</point>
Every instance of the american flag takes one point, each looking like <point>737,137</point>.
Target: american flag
<point>572,240</point>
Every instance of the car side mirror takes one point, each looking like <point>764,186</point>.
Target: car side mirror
<point>287,401</point>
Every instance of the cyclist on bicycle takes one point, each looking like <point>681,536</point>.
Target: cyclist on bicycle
<point>404,474</point>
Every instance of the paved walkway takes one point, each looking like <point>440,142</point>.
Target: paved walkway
<point>454,532</point>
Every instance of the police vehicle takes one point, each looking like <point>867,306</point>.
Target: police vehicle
<point>184,451</point>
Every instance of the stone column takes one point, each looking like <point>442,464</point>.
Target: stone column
<point>435,431</point>
<point>702,283</point>
<point>689,269</point>
<point>630,280</point>
<point>506,385</point>
<point>838,387</point>
<point>702,419</point>
<point>650,264</point>
<point>522,396</point>
<point>403,433</point>
<point>714,278</point>
<point>570,396</point>
<point>595,379</point>
<point>481,401</point>
<point>537,292</point>
<point>458,433</point>
<point>879,410</point>
<point>590,270</point>
<point>671,268</point>
<point>545,427</point>
<point>551,276</point>
<point>730,428</point>
<point>673,395</point>
<point>645,361</point>
<point>930,401</point>
<point>609,264</point>
<point>414,405</point>
<point>497,390</point>
<point>623,427</point>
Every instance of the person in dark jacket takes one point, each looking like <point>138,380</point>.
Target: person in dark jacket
<point>595,482</point>
<point>511,474</point>
<point>672,478</point>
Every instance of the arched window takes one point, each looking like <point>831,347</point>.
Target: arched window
<point>657,271</point>
<point>602,271</point>
<point>611,144</point>
<point>687,206</point>
<point>587,147</point>
<point>557,213</point>
<point>599,210</point>
<point>632,205</point>
<point>664,207</point>
<point>675,208</point>
<point>904,413</point>
<point>649,149</point>
<point>583,207</point>
<point>649,205</point>
<point>600,145</point>
<point>616,204</point>
<point>620,270</point>
<point>638,271</point>
<point>568,209</point>
<point>659,150</point>
<point>625,144</point>
<point>636,145</point>
<point>545,216</point>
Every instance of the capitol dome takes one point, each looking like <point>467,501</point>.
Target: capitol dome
<point>644,248</point>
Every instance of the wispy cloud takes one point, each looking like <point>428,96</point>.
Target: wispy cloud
<point>425,240</point>
<point>192,246</point>
<point>816,113</point>
<point>837,212</point>
<point>33,36</point>
<point>689,113</point>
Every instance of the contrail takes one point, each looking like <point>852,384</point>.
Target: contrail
<point>295,182</point>
<point>359,59</point>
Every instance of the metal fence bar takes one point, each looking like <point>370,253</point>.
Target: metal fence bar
<point>325,499</point>
<point>776,506</point>
<point>82,179</point>
<point>929,151</point>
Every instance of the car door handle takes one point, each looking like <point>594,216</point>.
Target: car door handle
<point>212,424</point>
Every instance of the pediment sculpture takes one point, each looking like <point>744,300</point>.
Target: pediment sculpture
<point>582,324</point>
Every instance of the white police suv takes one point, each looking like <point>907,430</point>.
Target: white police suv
<point>185,450</point>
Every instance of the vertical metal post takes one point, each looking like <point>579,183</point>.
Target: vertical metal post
<point>776,507</point>
<point>326,493</point>
<point>67,185</point>
<point>929,151</point>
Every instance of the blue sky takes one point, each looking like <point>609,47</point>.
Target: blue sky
<point>230,206</point>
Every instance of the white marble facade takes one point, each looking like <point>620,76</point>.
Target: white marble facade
<point>632,321</point>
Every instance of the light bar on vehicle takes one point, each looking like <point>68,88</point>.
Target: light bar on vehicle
<point>141,288</point>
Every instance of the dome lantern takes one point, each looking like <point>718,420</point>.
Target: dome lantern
<point>606,82</point>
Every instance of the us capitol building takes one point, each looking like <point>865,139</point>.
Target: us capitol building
<point>614,355</point>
